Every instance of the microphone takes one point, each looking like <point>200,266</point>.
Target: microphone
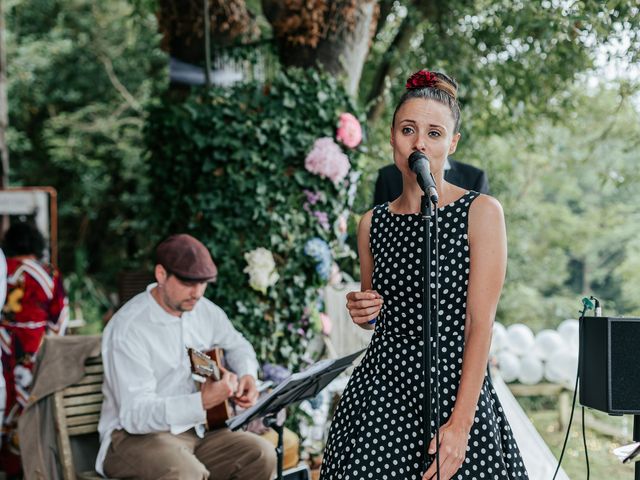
<point>419,164</point>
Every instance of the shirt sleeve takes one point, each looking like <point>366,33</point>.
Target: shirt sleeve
<point>130,374</point>
<point>238,352</point>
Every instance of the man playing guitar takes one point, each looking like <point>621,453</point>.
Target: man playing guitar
<point>152,424</point>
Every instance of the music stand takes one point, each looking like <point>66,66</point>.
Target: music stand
<point>297,387</point>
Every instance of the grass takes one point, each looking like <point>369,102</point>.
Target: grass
<point>602,462</point>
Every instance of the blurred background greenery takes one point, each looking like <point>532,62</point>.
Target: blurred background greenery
<point>550,111</point>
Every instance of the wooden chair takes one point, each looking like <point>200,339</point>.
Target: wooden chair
<point>76,414</point>
<point>131,283</point>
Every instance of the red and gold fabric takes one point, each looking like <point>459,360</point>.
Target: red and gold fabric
<point>35,305</point>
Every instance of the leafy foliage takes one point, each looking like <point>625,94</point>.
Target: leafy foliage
<point>79,73</point>
<point>227,165</point>
<point>569,193</point>
<point>513,59</point>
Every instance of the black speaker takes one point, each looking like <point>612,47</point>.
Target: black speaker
<point>610,364</point>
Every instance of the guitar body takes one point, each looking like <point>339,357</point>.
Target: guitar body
<point>208,364</point>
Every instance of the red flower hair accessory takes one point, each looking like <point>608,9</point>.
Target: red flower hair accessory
<point>421,79</point>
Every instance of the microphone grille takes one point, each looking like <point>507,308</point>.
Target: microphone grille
<point>415,156</point>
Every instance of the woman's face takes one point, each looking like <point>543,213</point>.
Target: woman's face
<point>426,126</point>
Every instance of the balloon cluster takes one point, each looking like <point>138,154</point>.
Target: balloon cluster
<point>551,355</point>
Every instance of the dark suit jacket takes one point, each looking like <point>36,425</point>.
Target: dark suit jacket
<point>389,182</point>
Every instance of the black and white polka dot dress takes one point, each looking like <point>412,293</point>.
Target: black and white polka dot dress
<point>376,432</point>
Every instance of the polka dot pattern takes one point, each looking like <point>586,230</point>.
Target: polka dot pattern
<point>377,431</point>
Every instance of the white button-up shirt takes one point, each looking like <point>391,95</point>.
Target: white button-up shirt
<point>147,373</point>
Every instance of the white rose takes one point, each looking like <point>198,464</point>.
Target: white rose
<point>261,268</point>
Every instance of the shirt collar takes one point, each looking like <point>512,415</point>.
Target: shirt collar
<point>159,314</point>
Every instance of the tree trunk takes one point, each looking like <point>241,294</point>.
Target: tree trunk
<point>333,35</point>
<point>4,108</point>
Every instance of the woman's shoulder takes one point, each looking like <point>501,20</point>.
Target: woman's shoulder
<point>365,220</point>
<point>364,226</point>
<point>485,210</point>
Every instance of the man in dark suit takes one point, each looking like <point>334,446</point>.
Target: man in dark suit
<point>389,182</point>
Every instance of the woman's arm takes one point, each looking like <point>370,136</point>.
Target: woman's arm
<point>365,305</point>
<point>488,257</point>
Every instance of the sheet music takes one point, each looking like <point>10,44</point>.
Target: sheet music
<point>291,386</point>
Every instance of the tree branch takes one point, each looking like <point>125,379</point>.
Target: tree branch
<point>385,9</point>
<point>388,62</point>
<point>122,90</point>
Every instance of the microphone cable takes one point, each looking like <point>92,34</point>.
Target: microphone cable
<point>587,305</point>
<point>597,312</point>
<point>437,335</point>
<point>584,442</point>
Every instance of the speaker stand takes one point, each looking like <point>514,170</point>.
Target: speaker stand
<point>636,438</point>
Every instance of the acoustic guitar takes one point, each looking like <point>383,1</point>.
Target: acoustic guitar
<point>205,365</point>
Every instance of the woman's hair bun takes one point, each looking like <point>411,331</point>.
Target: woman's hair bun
<point>437,80</point>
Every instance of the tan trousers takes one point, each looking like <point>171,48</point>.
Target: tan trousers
<point>220,455</point>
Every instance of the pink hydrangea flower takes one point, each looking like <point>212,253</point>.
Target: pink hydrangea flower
<point>349,131</point>
<point>327,160</point>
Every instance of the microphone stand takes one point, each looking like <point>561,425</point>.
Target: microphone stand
<point>427,212</point>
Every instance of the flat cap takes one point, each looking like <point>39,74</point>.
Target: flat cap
<point>187,258</point>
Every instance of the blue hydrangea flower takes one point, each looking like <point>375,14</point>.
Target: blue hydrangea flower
<point>319,250</point>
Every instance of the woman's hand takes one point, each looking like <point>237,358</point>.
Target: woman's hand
<point>364,306</point>
<point>453,448</point>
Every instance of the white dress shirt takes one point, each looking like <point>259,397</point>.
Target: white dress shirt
<point>147,374</point>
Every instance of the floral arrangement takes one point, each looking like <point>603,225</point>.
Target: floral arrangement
<point>270,193</point>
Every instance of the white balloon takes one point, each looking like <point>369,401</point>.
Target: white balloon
<point>531,369</point>
<point>498,338</point>
<point>570,331</point>
<point>562,368</point>
<point>509,365</point>
<point>520,339</point>
<point>548,342</point>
